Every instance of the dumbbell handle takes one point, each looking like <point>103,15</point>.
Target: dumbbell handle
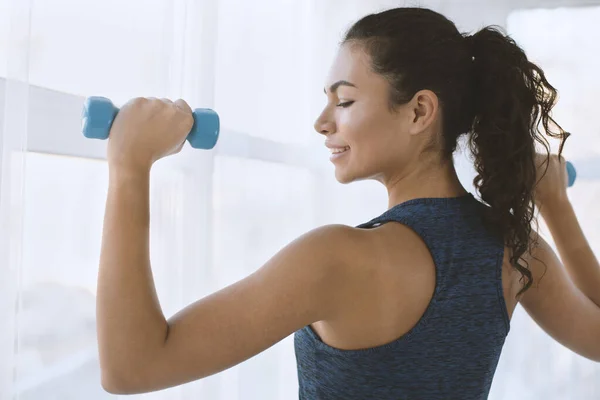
<point>99,114</point>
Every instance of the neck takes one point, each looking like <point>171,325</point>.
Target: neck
<point>430,179</point>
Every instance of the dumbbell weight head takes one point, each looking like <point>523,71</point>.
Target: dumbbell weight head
<point>206,128</point>
<point>97,118</point>
<point>571,173</point>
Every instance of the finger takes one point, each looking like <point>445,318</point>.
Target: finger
<point>153,101</point>
<point>187,110</point>
<point>167,101</point>
<point>183,105</point>
<point>137,101</point>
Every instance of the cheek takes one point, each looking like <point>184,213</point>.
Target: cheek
<point>356,124</point>
<point>368,131</point>
<point>379,147</point>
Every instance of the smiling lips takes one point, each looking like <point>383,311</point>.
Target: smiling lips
<point>337,152</point>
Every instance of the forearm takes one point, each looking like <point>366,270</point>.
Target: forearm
<point>573,247</point>
<point>130,321</point>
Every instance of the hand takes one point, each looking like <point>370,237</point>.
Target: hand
<point>552,188</point>
<point>147,129</point>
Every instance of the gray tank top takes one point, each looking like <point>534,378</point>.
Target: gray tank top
<point>453,350</point>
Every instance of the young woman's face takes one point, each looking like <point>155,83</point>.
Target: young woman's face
<point>368,140</point>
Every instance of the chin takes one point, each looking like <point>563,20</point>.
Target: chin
<point>344,177</point>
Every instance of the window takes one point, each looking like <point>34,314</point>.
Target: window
<point>217,215</point>
<point>203,204</point>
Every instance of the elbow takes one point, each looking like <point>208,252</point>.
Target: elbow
<point>111,386</point>
<point>126,374</point>
<point>116,383</point>
<point>594,359</point>
<point>591,355</point>
<point>120,382</point>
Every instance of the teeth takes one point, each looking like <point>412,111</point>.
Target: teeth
<point>339,150</point>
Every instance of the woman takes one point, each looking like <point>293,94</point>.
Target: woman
<point>414,304</point>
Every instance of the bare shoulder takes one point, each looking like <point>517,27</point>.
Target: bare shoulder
<point>361,249</point>
<point>351,251</point>
<point>386,261</point>
<point>339,234</point>
<point>342,244</point>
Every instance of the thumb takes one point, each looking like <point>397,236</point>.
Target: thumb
<point>186,110</point>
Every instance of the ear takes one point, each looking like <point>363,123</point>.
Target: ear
<point>424,108</point>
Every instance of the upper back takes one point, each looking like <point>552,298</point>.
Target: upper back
<point>427,315</point>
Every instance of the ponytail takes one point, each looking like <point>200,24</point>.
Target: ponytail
<point>512,97</point>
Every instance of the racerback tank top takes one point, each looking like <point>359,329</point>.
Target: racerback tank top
<point>453,350</point>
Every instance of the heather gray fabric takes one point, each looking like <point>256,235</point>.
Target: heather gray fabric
<point>453,351</point>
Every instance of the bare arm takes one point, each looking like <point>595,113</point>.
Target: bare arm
<point>129,318</point>
<point>565,302</point>
<point>140,351</point>
<point>573,247</point>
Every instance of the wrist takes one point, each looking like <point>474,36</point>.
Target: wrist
<point>121,173</point>
<point>128,164</point>
<point>554,207</point>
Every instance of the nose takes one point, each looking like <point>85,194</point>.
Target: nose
<point>324,125</point>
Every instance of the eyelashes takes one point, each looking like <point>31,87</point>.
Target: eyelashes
<point>346,104</point>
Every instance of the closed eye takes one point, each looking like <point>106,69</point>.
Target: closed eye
<point>346,104</point>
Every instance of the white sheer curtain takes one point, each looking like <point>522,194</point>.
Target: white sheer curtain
<point>216,216</point>
<point>563,42</point>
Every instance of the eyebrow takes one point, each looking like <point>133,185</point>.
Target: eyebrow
<point>333,88</point>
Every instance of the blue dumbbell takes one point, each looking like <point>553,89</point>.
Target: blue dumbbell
<point>571,173</point>
<point>99,114</point>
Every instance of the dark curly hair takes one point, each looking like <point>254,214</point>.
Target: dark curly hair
<point>488,90</point>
